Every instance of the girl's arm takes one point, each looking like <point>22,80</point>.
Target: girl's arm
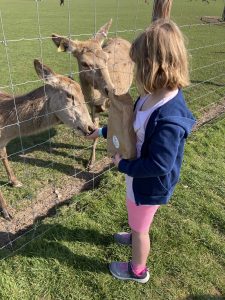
<point>162,152</point>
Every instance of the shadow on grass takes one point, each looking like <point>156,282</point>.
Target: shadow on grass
<point>208,82</point>
<point>66,169</point>
<point>73,156</point>
<point>52,246</point>
<point>41,143</point>
<point>49,164</point>
<point>204,297</point>
<point>31,142</point>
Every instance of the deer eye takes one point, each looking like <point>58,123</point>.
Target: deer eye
<point>71,97</point>
<point>66,46</point>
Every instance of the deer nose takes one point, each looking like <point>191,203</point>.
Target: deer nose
<point>91,129</point>
<point>109,89</point>
<point>106,91</point>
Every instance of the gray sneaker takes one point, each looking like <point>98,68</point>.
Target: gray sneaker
<point>123,238</point>
<point>123,271</point>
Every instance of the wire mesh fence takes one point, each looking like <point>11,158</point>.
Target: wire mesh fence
<point>32,157</point>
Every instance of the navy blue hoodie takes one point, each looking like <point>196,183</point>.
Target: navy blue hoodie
<point>157,171</point>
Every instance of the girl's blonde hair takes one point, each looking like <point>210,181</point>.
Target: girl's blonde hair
<point>160,57</point>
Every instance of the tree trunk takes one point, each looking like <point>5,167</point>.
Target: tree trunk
<point>223,15</point>
<point>161,9</point>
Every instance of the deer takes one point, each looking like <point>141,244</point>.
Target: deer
<point>104,66</point>
<point>59,100</point>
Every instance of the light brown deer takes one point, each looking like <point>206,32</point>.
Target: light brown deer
<point>60,100</point>
<point>104,67</point>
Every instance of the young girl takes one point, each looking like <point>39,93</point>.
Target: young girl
<point>162,124</point>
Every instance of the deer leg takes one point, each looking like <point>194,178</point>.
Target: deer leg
<point>12,178</point>
<point>4,208</point>
<point>95,119</point>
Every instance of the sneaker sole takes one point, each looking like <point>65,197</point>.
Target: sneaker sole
<point>141,280</point>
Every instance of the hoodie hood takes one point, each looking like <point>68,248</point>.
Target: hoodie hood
<point>176,112</point>
<point>186,123</point>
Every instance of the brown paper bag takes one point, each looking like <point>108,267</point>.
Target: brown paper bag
<point>121,137</point>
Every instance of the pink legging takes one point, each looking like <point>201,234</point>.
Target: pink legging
<point>140,217</point>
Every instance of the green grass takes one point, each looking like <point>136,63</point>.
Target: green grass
<point>20,22</point>
<point>69,258</point>
<point>68,255</point>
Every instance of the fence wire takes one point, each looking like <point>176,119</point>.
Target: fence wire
<point>76,151</point>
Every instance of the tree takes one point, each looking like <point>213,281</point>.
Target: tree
<point>161,9</point>
<point>223,15</point>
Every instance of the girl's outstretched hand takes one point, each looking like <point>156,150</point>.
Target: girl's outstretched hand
<point>94,135</point>
<point>116,159</point>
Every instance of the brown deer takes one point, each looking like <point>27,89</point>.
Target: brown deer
<point>60,100</point>
<point>104,67</point>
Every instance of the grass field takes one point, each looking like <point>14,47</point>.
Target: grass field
<point>69,259</point>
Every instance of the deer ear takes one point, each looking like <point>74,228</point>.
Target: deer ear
<point>43,71</point>
<point>61,42</point>
<point>65,44</point>
<point>57,39</point>
<point>102,33</point>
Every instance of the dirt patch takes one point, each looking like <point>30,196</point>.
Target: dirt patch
<point>214,112</point>
<point>212,20</point>
<point>47,201</point>
<point>50,198</point>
